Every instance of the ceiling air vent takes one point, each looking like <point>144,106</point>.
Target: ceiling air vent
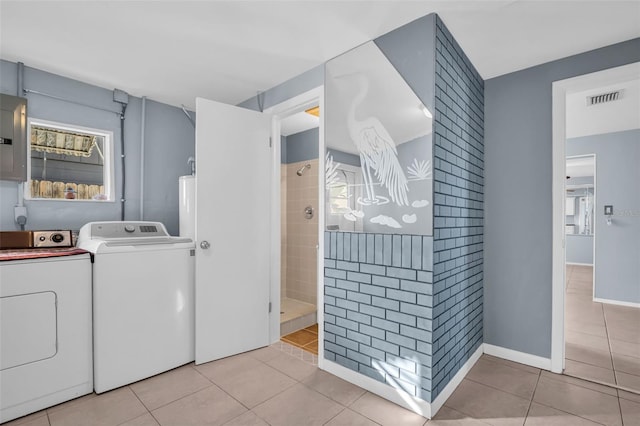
<point>604,97</point>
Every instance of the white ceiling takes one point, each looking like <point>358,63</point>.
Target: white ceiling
<point>173,51</point>
<point>297,123</point>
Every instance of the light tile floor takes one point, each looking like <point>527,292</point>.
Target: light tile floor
<point>602,341</point>
<point>273,386</point>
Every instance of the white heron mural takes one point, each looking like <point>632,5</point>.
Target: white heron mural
<point>378,153</point>
<point>377,126</point>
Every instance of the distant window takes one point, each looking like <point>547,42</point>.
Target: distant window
<point>68,162</point>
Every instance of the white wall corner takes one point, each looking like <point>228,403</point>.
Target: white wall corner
<point>519,357</point>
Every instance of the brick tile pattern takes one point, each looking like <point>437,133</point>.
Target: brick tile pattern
<point>407,310</point>
<point>378,307</point>
<point>458,210</point>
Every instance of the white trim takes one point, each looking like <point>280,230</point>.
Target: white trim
<point>579,264</point>
<point>321,227</point>
<point>517,356</point>
<point>400,397</point>
<point>397,396</point>
<point>455,381</point>
<point>617,302</point>
<point>284,109</point>
<point>558,240</point>
<point>560,89</point>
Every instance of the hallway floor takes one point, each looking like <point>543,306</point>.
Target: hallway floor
<point>275,386</point>
<point>602,341</point>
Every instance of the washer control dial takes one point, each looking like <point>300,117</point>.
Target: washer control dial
<point>129,228</point>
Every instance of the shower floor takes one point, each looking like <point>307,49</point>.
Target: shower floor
<point>295,315</point>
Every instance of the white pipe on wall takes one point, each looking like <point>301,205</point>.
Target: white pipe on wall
<point>143,114</point>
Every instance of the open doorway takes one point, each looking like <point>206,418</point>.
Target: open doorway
<point>298,220</point>
<point>596,288</point>
<point>299,193</point>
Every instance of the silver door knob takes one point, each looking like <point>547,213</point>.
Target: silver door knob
<point>205,245</point>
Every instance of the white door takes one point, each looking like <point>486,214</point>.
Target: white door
<point>233,194</point>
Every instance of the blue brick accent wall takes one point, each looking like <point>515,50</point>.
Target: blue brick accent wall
<point>378,307</point>
<point>458,210</point>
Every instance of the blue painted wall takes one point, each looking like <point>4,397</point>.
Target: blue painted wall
<point>344,157</point>
<point>170,141</point>
<point>458,210</point>
<point>518,221</point>
<point>617,269</point>
<point>301,146</point>
<point>579,249</point>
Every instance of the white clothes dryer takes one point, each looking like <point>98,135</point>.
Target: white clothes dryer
<point>143,300</point>
<point>45,327</point>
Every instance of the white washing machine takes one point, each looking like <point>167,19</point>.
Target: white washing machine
<point>143,300</point>
<point>45,324</point>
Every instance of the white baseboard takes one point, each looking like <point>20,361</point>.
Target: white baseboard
<point>579,264</point>
<point>617,302</point>
<point>398,396</point>
<point>519,357</point>
<point>455,381</point>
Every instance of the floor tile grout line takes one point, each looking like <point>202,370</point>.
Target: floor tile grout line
<point>182,397</point>
<point>606,330</point>
<point>533,394</point>
<point>143,404</point>
<point>588,364</point>
<point>337,414</point>
<point>572,414</point>
<point>498,389</point>
<point>620,408</point>
<point>362,414</point>
<point>211,383</point>
<point>582,386</point>
<point>608,339</point>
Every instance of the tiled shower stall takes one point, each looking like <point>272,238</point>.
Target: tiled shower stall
<point>299,261</point>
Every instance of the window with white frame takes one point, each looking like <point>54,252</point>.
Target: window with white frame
<point>69,162</point>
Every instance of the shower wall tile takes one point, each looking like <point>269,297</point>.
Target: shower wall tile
<point>301,233</point>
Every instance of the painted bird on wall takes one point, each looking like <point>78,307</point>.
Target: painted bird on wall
<point>378,153</point>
